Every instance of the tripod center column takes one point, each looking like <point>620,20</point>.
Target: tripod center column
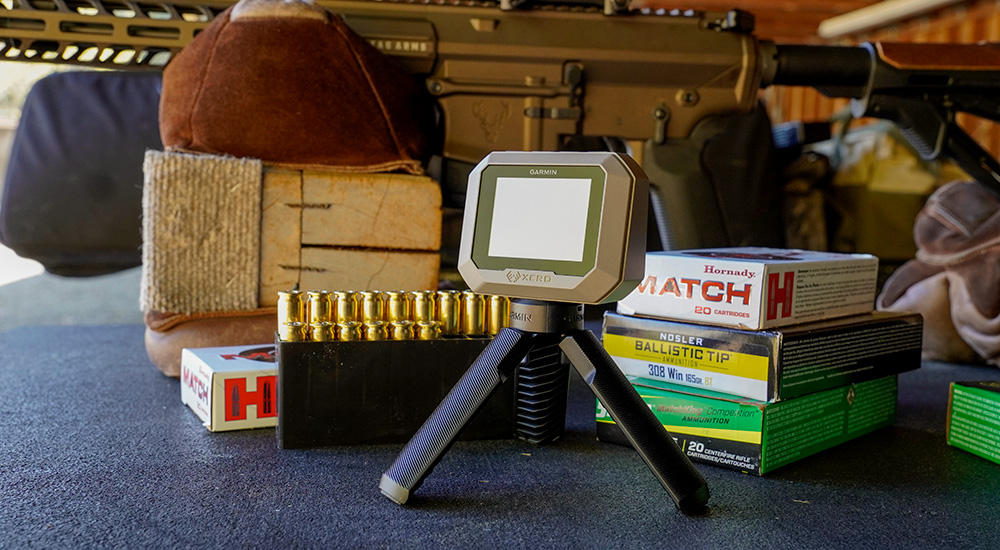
<point>540,316</point>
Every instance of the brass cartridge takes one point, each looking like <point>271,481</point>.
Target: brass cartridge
<point>397,306</point>
<point>290,307</point>
<point>376,331</point>
<point>497,312</point>
<point>322,331</point>
<point>292,332</point>
<point>320,306</point>
<point>349,331</point>
<point>401,330</point>
<point>345,306</point>
<point>422,306</point>
<point>371,306</point>
<point>428,331</point>
<point>473,316</point>
<point>448,312</point>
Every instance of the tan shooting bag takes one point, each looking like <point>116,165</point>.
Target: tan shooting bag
<point>285,135</point>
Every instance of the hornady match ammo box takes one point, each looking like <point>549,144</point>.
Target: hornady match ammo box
<point>231,388</point>
<point>974,418</point>
<point>753,288</point>
<point>367,392</point>
<point>756,437</point>
<point>767,365</point>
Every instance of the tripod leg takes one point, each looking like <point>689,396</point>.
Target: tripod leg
<point>493,366</point>
<point>656,447</point>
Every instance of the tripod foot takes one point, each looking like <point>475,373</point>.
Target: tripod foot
<point>494,365</point>
<point>394,491</point>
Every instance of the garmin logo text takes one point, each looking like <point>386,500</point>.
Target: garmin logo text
<point>543,172</point>
<point>518,277</point>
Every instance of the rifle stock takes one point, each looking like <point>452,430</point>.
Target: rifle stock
<point>919,87</point>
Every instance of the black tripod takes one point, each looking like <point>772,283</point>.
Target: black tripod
<point>532,321</point>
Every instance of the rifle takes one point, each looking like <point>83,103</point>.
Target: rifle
<point>919,87</point>
<point>678,90</point>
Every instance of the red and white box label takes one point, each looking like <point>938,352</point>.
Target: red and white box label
<point>753,288</point>
<point>231,388</point>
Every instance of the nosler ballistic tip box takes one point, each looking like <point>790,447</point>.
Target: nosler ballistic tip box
<point>753,288</point>
<point>974,418</point>
<point>231,388</point>
<point>755,437</point>
<point>767,365</point>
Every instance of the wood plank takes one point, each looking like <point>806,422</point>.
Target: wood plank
<point>281,233</point>
<point>391,211</point>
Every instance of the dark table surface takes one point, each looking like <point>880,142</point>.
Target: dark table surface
<point>97,450</point>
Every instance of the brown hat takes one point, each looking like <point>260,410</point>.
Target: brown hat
<point>289,83</point>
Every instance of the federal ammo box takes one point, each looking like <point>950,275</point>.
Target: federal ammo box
<point>756,437</point>
<point>361,392</point>
<point>767,365</point>
<point>974,418</point>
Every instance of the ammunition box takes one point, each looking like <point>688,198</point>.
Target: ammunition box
<point>362,392</point>
<point>231,388</point>
<point>755,437</point>
<point>753,288</point>
<point>767,365</point>
<point>974,418</point>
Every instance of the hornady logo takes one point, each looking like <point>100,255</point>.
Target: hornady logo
<point>712,270</point>
<point>264,355</point>
<point>684,288</point>
<point>519,277</point>
<point>780,294</point>
<point>238,398</point>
